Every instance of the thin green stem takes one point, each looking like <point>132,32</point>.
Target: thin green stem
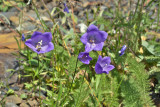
<point>72,81</point>
<point>158,16</point>
<point>74,75</point>
<point>81,86</point>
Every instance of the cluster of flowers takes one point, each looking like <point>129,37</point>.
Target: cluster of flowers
<point>93,40</point>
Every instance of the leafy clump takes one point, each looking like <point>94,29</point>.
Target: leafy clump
<point>135,88</point>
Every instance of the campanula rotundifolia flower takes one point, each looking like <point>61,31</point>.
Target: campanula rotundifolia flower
<point>84,57</point>
<point>23,37</point>
<point>40,42</point>
<point>93,39</point>
<point>122,51</point>
<point>103,65</point>
<point>66,8</point>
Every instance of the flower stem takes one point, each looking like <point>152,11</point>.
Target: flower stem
<point>69,90</point>
<point>81,86</point>
<point>73,75</point>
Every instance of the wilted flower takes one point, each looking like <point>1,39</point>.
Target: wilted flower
<point>66,8</point>
<point>121,52</point>
<point>40,42</point>
<point>103,65</point>
<point>94,38</point>
<point>23,37</point>
<point>84,57</point>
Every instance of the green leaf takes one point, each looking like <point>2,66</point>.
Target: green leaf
<point>150,48</point>
<point>60,93</point>
<point>10,91</point>
<point>34,62</point>
<point>23,96</point>
<point>72,64</point>
<point>98,77</point>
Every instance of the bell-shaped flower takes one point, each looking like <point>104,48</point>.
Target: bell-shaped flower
<point>66,8</point>
<point>93,39</point>
<point>121,52</point>
<point>103,65</point>
<point>84,57</point>
<point>40,42</point>
<point>23,37</point>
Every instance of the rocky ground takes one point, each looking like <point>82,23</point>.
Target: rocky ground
<point>28,23</point>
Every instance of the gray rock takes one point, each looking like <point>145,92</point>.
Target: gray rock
<point>8,104</point>
<point>49,24</point>
<point>2,70</point>
<point>28,26</point>
<point>33,103</point>
<point>24,105</point>
<point>8,14</point>
<point>32,14</point>
<point>13,99</point>
<point>15,88</point>
<point>13,9</point>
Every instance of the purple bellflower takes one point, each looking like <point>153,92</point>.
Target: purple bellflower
<point>121,52</point>
<point>103,65</point>
<point>93,39</point>
<point>84,57</point>
<point>40,42</point>
<point>66,8</point>
<point>23,37</point>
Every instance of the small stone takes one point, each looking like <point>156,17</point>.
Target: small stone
<point>13,99</point>
<point>15,20</point>
<point>24,105</point>
<point>28,26</point>
<point>9,104</point>
<point>33,103</point>
<point>15,88</point>
<point>2,70</point>
<point>13,78</point>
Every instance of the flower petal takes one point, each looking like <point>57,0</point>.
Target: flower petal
<point>99,59</point>
<point>45,37</point>
<point>98,47</point>
<point>66,8</point>
<point>108,68</point>
<point>123,48</point>
<point>81,54</point>
<point>36,34</point>
<point>98,68</point>
<point>105,61</point>
<point>96,36</point>
<point>48,35</point>
<point>47,48</point>
<point>84,38</point>
<point>89,47</point>
<point>84,57</point>
<point>122,51</point>
<point>30,44</point>
<point>84,61</point>
<point>92,27</point>
<point>103,35</point>
<point>23,37</point>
